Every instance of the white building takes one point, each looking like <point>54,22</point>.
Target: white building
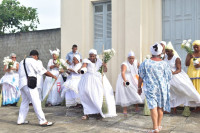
<point>127,25</point>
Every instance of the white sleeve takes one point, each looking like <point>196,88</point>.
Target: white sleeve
<point>38,67</point>
<point>49,64</point>
<point>77,67</point>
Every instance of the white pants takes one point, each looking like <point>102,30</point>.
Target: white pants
<point>30,95</point>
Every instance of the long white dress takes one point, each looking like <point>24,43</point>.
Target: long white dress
<point>128,95</point>
<point>10,82</point>
<point>54,96</point>
<point>40,81</point>
<point>70,87</point>
<point>182,91</point>
<point>92,90</point>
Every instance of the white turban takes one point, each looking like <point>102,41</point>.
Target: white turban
<point>77,56</point>
<point>93,51</point>
<point>156,49</point>
<point>12,55</point>
<point>170,47</point>
<point>163,42</point>
<point>131,53</point>
<point>56,52</point>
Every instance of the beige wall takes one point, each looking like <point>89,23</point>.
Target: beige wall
<point>136,24</point>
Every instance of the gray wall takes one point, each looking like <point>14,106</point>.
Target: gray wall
<point>22,43</point>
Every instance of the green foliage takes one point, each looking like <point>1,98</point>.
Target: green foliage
<point>17,18</point>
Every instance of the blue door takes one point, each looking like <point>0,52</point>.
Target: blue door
<point>180,21</point>
<point>102,26</point>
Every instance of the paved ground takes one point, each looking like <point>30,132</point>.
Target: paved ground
<point>69,121</point>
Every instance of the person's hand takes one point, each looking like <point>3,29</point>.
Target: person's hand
<point>79,71</point>
<point>56,65</point>
<point>61,71</point>
<point>197,66</point>
<point>124,83</point>
<point>70,70</point>
<point>69,63</point>
<point>54,77</point>
<point>139,91</point>
<point>104,64</point>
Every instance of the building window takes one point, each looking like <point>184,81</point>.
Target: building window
<point>102,26</point>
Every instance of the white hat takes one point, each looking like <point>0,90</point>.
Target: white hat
<point>163,42</point>
<point>12,55</point>
<point>170,46</point>
<point>131,53</point>
<point>156,49</point>
<point>56,52</point>
<point>77,56</point>
<point>93,51</point>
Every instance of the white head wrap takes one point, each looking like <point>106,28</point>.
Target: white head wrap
<point>93,51</point>
<point>77,56</point>
<point>56,52</point>
<point>163,42</point>
<point>170,46</point>
<point>156,49</point>
<point>12,55</point>
<point>131,53</point>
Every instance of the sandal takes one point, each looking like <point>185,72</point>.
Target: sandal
<point>99,117</point>
<point>159,128</point>
<point>24,123</point>
<point>125,115</point>
<point>47,124</point>
<point>153,131</point>
<point>85,117</point>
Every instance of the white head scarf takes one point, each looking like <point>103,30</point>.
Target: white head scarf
<point>131,53</point>
<point>156,49</point>
<point>163,42</point>
<point>56,52</point>
<point>77,56</point>
<point>12,55</point>
<point>93,51</point>
<point>170,46</point>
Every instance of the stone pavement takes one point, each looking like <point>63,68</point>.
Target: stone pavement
<point>69,121</point>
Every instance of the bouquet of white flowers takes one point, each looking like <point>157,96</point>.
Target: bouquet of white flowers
<point>188,48</point>
<point>61,63</point>
<point>7,61</point>
<point>107,55</point>
<point>186,44</point>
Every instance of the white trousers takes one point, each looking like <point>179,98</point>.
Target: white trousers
<point>30,95</point>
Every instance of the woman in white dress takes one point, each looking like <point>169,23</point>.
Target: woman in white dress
<point>70,87</point>
<point>182,91</point>
<point>127,84</point>
<point>92,89</point>
<point>54,97</point>
<point>10,83</point>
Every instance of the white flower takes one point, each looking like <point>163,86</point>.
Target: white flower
<point>148,56</point>
<point>184,41</point>
<point>189,40</point>
<point>187,44</point>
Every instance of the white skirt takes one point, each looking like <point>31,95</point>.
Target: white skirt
<point>54,97</point>
<point>182,91</point>
<point>11,92</point>
<point>70,91</point>
<point>126,96</point>
<point>91,93</point>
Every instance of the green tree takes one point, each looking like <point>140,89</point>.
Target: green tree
<point>17,18</point>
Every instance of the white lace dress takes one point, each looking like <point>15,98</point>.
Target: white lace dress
<point>70,87</point>
<point>10,84</point>
<point>128,95</point>
<point>54,96</point>
<point>182,90</point>
<point>92,91</point>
